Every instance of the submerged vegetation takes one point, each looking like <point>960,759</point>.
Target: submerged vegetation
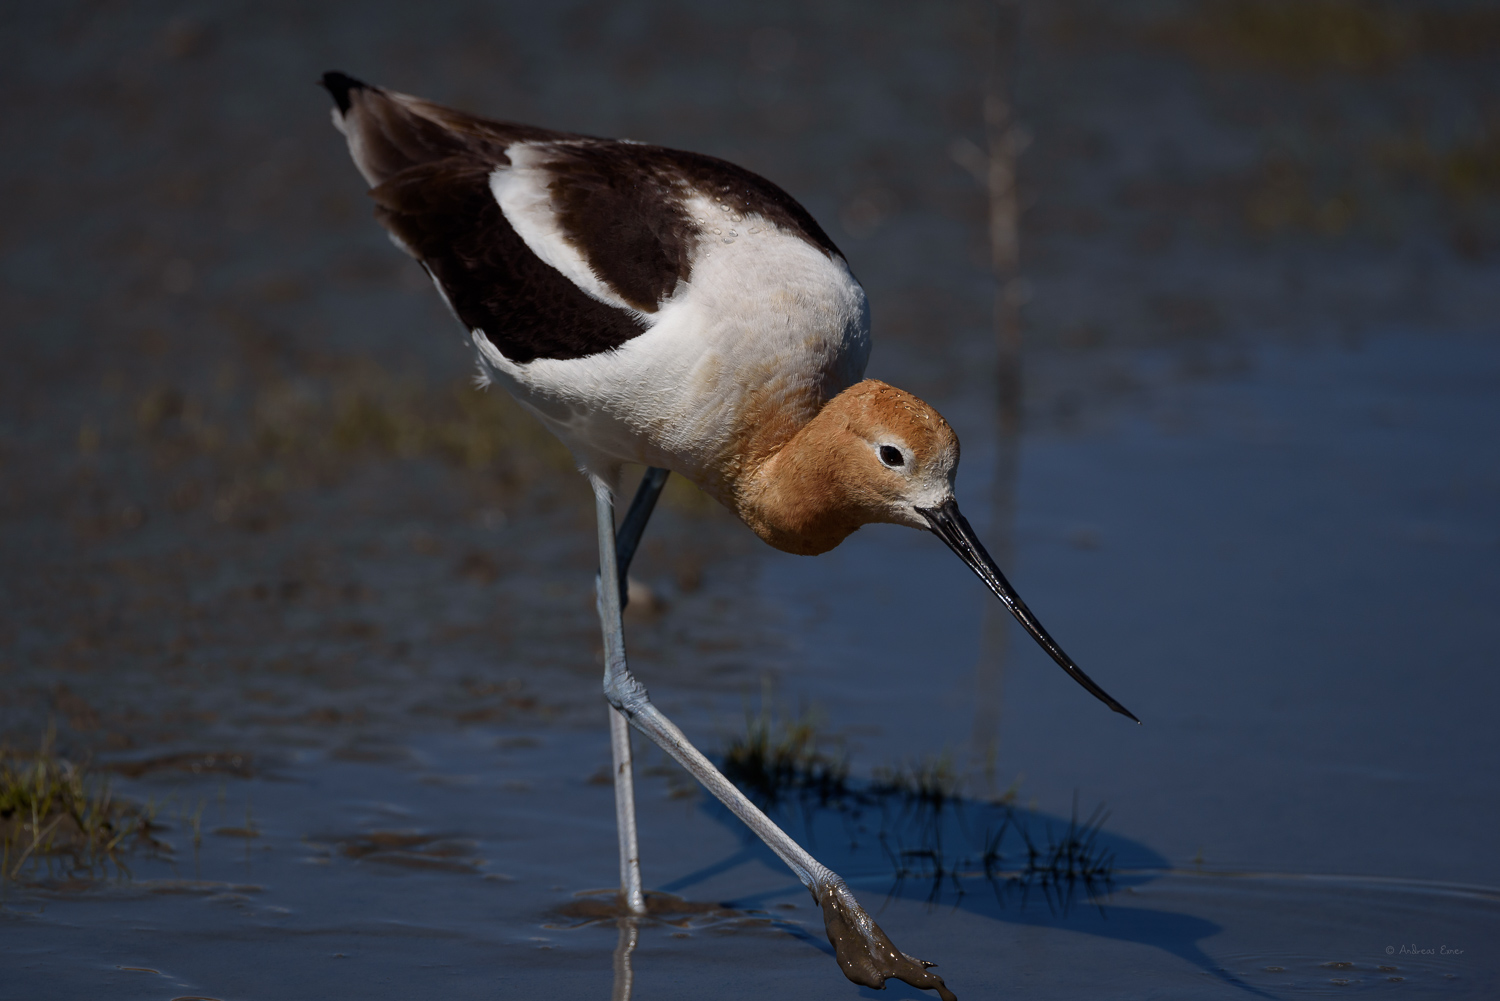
<point>237,452</point>
<point>55,812</point>
<point>1310,36</point>
<point>1327,171</point>
<point>375,412</point>
<point>926,828</point>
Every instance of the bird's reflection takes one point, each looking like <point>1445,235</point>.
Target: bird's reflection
<point>630,934</point>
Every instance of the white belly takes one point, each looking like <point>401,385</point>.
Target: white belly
<point>766,317</point>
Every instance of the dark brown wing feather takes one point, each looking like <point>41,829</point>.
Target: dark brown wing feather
<point>396,131</point>
<point>445,213</point>
<point>430,168</point>
<point>621,204</point>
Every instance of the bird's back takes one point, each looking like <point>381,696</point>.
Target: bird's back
<point>651,305</point>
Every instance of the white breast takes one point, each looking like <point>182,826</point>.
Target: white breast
<point>764,313</point>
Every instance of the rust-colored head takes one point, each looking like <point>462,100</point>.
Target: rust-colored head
<point>874,453</point>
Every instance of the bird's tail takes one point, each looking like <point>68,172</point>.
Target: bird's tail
<point>389,132</point>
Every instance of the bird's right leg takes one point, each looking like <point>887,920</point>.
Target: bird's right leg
<point>629,535</point>
<point>865,954</point>
<point>623,547</point>
<point>610,592</point>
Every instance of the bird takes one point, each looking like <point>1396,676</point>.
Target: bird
<point>672,310</point>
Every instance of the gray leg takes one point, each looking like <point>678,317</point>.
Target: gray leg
<point>629,535</point>
<point>630,852</point>
<point>609,593</point>
<point>865,954</point>
<point>623,549</point>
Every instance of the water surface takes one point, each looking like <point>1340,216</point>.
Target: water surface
<point>253,514</point>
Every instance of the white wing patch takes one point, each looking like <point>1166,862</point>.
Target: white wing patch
<point>522,190</point>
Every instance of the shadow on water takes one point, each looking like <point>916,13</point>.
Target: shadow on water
<point>987,858</point>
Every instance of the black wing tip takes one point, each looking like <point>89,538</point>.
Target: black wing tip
<point>340,85</point>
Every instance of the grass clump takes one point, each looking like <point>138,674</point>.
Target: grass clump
<point>53,810</point>
<point>1058,865</point>
<point>1012,856</point>
<point>930,782</point>
<point>779,756</point>
<point>920,816</point>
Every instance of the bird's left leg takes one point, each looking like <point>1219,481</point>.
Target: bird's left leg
<point>865,954</point>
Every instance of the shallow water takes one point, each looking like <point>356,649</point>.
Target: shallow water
<point>266,563</point>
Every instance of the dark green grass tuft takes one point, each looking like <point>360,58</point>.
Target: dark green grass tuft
<point>778,757</point>
<point>928,829</point>
<point>56,813</point>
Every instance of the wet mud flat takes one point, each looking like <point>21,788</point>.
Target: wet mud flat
<point>271,564</point>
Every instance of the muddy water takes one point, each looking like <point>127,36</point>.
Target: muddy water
<point>329,613</point>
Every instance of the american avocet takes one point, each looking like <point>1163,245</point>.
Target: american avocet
<point>670,309</point>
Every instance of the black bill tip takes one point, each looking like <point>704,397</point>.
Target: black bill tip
<point>949,524</point>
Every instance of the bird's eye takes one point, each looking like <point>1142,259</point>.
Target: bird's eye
<point>891,456</point>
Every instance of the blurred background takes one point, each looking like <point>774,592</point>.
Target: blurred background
<point>1208,290</point>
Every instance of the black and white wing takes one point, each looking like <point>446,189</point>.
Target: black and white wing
<point>554,245</point>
